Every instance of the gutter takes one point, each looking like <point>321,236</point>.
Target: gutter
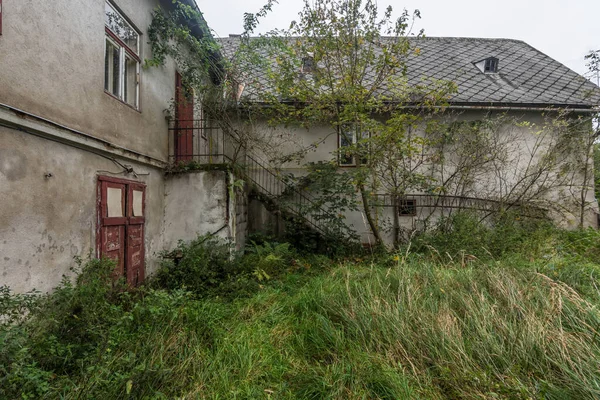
<point>15,118</point>
<point>479,106</point>
<point>475,106</point>
<point>522,108</point>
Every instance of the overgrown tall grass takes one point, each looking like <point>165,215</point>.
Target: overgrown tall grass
<point>425,324</point>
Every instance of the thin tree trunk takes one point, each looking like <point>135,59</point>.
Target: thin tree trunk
<point>396,221</point>
<point>367,209</point>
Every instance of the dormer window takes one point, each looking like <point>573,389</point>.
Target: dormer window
<point>488,65</point>
<point>308,64</point>
<point>491,65</point>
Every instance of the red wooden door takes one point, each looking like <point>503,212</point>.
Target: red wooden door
<point>112,222</point>
<point>121,222</point>
<point>184,116</point>
<point>135,233</point>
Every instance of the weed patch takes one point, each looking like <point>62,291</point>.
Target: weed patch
<point>426,323</point>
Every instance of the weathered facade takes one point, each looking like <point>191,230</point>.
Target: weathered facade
<point>87,135</point>
<point>84,145</point>
<point>496,79</point>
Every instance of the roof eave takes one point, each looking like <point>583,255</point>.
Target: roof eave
<point>577,108</point>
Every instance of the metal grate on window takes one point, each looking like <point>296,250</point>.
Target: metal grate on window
<point>407,207</point>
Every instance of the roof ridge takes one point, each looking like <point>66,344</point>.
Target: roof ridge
<point>465,38</point>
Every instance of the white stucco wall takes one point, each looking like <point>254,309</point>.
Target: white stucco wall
<point>522,143</point>
<point>196,203</point>
<point>45,221</point>
<point>52,65</point>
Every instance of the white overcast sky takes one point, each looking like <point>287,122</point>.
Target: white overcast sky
<point>566,30</point>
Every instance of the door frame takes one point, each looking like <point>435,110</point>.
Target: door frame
<point>128,219</point>
<point>184,124</point>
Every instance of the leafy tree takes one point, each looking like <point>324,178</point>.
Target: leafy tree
<point>593,64</point>
<point>343,64</point>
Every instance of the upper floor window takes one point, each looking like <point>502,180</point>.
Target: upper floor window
<point>122,58</point>
<point>308,64</point>
<point>349,147</point>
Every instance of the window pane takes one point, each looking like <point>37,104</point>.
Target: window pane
<point>116,62</point>
<point>346,140</point>
<point>112,68</point>
<point>120,27</point>
<point>407,207</point>
<point>130,85</point>
<point>114,202</point>
<point>137,203</point>
<point>363,147</point>
<point>108,67</point>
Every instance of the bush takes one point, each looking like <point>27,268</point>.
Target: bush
<point>58,331</point>
<point>206,266</point>
<point>96,338</point>
<point>465,234</point>
<point>269,259</point>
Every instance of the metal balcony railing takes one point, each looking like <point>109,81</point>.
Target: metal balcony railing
<point>455,202</point>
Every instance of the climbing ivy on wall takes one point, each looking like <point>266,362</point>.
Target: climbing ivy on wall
<point>180,33</point>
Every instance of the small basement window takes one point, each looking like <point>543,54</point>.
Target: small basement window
<point>407,207</point>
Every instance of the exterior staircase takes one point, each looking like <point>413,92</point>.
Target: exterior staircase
<point>206,146</point>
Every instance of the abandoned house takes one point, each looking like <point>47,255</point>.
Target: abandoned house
<point>84,144</point>
<point>85,139</point>
<point>528,108</point>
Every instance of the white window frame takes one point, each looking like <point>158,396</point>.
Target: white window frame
<point>125,52</point>
<point>344,131</point>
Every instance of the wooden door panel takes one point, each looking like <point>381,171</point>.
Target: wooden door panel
<point>113,246</point>
<point>184,115</point>
<point>135,254</point>
<point>121,218</point>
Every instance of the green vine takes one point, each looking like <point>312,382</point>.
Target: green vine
<point>181,33</point>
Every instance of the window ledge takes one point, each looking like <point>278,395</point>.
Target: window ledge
<point>122,102</point>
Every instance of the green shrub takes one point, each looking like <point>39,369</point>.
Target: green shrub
<point>206,266</point>
<point>465,233</point>
<point>60,330</point>
<point>98,339</point>
<point>269,259</point>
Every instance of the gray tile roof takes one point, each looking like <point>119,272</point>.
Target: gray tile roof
<point>525,76</point>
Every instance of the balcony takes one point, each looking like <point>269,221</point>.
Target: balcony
<point>199,141</point>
